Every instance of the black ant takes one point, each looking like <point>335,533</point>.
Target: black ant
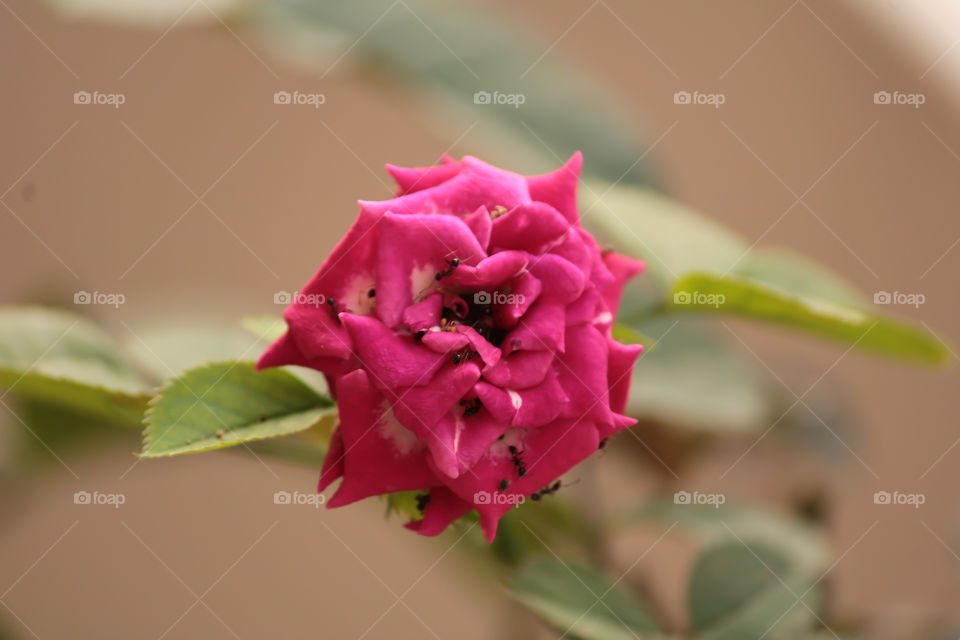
<point>463,354</point>
<point>449,270</point>
<point>471,407</point>
<point>422,501</point>
<point>333,308</point>
<point>372,293</point>
<point>549,489</point>
<point>503,485</point>
<point>515,455</point>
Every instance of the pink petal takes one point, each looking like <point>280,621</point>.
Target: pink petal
<point>490,273</point>
<point>542,328</point>
<point>560,278</point>
<point>414,179</point>
<point>380,455</point>
<point>481,225</point>
<point>620,363</point>
<point>546,452</point>
<point>530,227</point>
<point>622,269</point>
<point>424,314</point>
<point>333,461</point>
<point>393,360</point>
<point>477,184</point>
<point>419,248</point>
<point>443,510</point>
<point>559,188</point>
<point>420,408</point>
<point>525,408</point>
<point>582,371</point>
<point>525,289</point>
<point>520,369</point>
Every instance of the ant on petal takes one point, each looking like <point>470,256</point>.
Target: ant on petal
<point>516,457</point>
<point>454,263</point>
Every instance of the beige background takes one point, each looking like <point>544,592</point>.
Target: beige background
<point>879,204</point>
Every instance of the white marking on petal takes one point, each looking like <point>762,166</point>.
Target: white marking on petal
<point>515,399</point>
<point>390,428</point>
<point>604,318</point>
<point>422,279</point>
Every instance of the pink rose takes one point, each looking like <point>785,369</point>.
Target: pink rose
<point>465,329</point>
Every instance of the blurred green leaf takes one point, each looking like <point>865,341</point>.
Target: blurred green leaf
<point>581,602</point>
<point>692,262</point>
<point>59,357</point>
<point>169,350</point>
<point>736,592</point>
<point>729,595</point>
<point>695,380</point>
<point>267,328</point>
<point>670,237</point>
<point>462,53</point>
<point>628,335</point>
<point>228,403</point>
<point>706,293</point>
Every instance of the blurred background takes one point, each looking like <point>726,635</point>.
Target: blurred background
<point>194,193</point>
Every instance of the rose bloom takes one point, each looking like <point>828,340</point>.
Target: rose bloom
<point>464,328</point>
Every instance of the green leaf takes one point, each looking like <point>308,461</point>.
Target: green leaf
<point>229,403</point>
<point>449,53</point>
<point>670,237</point>
<point>729,596</point>
<point>692,257</point>
<point>694,380</point>
<point>169,350</point>
<point>581,602</point>
<point>736,592</point>
<point>628,335</point>
<point>58,357</point>
<point>706,293</point>
<point>267,328</point>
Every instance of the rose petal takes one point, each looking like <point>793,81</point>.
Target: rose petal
<point>444,508</point>
<point>478,184</point>
<point>419,249</point>
<point>620,363</point>
<point>530,227</point>
<point>559,188</point>
<point>622,269</point>
<point>380,455</point>
<point>520,369</point>
<point>546,453</point>
<point>393,360</point>
<point>412,179</point>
